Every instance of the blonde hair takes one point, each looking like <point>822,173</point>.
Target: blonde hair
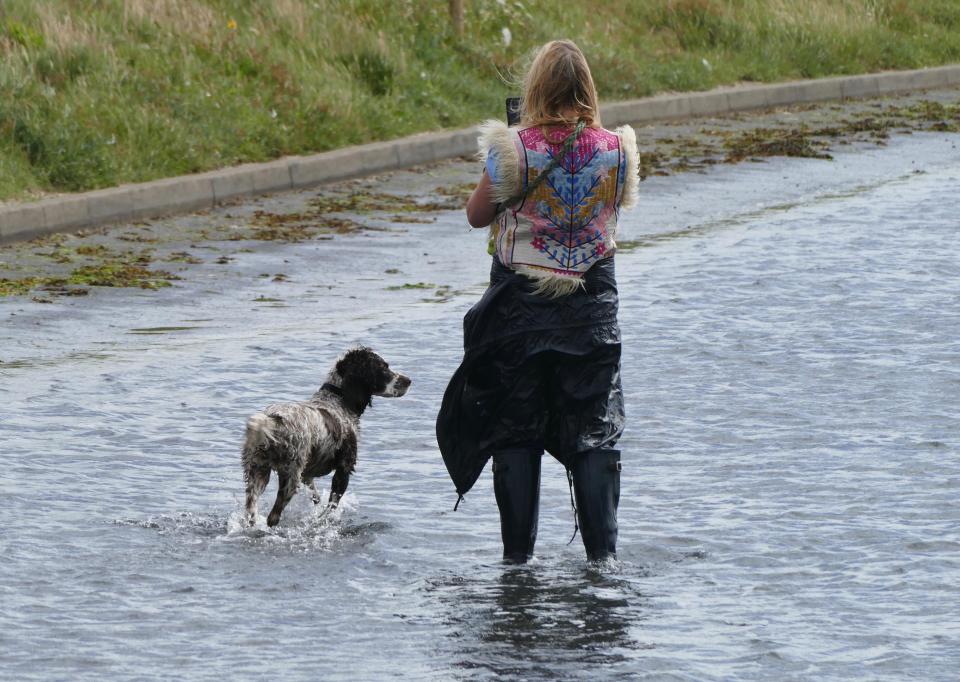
<point>559,85</point>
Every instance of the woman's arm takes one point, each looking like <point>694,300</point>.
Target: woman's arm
<point>480,209</point>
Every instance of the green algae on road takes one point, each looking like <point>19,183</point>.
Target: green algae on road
<point>22,286</point>
<point>121,275</point>
<point>110,274</point>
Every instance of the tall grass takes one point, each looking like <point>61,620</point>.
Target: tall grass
<point>97,92</point>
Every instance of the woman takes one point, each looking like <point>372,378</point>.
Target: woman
<point>541,369</point>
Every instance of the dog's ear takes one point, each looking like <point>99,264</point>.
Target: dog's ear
<point>353,364</point>
<point>360,371</point>
<point>343,366</point>
<point>356,397</point>
<point>363,366</point>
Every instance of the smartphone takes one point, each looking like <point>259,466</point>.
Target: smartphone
<point>513,111</point>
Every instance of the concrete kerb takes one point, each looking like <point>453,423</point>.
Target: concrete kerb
<point>861,86</point>
<point>823,90</point>
<point>745,99</point>
<point>706,103</point>
<point>110,205</point>
<point>272,176</point>
<point>173,195</point>
<point>23,221</point>
<point>417,149</point>
<point>70,212</point>
<point>229,183</point>
<point>307,171</point>
<point>187,193</point>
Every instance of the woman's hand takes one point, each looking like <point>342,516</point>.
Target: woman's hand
<point>480,210</point>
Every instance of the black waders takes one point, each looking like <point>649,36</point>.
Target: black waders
<point>596,486</point>
<point>516,484</point>
<point>539,374</point>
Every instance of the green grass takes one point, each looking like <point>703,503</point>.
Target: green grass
<point>98,92</point>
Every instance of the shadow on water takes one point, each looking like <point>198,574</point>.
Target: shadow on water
<point>537,621</point>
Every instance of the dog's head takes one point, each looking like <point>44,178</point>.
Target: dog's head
<point>364,374</point>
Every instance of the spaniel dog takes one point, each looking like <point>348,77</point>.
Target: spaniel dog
<point>304,440</point>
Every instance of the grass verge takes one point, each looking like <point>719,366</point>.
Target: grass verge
<point>97,93</point>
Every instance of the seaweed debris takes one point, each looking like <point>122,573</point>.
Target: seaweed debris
<point>296,227</point>
<point>112,269</point>
<point>183,257</point>
<point>120,274</point>
<point>461,193</point>
<point>412,285</point>
<point>797,142</point>
<point>370,202</point>
<point>324,215</point>
<point>694,151</point>
<point>19,287</point>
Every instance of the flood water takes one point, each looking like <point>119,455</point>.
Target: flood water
<point>791,470</point>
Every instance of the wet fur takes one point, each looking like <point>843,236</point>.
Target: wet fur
<point>305,440</point>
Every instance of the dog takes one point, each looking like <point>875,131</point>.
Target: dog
<point>304,440</point>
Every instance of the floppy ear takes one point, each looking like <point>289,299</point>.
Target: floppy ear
<point>348,365</point>
<point>343,366</point>
<point>359,377</point>
<point>356,397</point>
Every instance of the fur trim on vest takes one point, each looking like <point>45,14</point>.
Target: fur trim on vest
<point>631,185</point>
<point>496,135</point>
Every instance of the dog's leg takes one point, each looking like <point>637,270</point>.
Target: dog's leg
<point>288,486</point>
<point>338,486</point>
<point>314,493</point>
<point>257,479</point>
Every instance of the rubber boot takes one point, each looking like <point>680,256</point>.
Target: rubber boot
<point>516,484</point>
<point>596,486</point>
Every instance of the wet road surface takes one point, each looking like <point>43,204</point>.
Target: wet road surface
<point>791,469</point>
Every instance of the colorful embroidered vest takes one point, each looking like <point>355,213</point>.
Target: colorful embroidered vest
<point>568,222</point>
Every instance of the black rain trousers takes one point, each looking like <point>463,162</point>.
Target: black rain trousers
<point>536,373</point>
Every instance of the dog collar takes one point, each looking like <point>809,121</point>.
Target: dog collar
<point>336,390</point>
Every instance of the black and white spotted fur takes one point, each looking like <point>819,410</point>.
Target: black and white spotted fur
<point>304,440</point>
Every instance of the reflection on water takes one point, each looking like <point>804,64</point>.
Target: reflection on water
<point>530,622</point>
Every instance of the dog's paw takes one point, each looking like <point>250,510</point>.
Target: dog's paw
<point>329,509</point>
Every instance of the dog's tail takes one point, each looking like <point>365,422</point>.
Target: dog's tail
<point>261,431</point>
